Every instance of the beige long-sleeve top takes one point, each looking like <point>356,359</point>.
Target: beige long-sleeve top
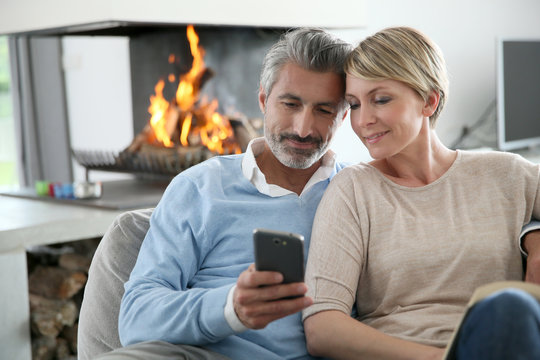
<point>412,257</point>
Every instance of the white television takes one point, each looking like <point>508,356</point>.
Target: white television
<point>518,93</point>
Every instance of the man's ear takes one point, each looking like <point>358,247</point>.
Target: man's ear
<point>262,99</point>
<point>341,119</point>
<point>344,115</point>
<point>431,104</point>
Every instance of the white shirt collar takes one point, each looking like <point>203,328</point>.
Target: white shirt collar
<point>252,172</point>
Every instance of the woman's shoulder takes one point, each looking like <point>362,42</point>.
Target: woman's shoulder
<point>493,158</point>
<point>504,166</point>
<point>352,175</point>
<point>353,171</point>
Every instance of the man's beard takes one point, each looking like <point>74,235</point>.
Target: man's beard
<point>293,157</point>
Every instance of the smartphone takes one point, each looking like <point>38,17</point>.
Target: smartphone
<point>280,251</point>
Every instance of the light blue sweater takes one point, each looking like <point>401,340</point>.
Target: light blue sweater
<point>200,240</point>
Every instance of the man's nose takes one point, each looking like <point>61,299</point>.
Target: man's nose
<point>303,123</point>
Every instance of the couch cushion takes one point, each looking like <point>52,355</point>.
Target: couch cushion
<point>111,266</point>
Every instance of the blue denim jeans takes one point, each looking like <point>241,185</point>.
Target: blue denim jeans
<point>505,325</point>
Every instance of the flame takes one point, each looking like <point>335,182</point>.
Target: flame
<point>158,109</point>
<point>214,132</point>
<point>186,125</point>
<point>187,92</point>
<point>212,128</point>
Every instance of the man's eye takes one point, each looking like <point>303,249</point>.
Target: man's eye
<point>290,104</point>
<point>326,111</point>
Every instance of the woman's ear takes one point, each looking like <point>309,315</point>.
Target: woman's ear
<point>431,104</point>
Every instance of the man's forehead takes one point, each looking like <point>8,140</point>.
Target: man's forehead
<point>295,82</point>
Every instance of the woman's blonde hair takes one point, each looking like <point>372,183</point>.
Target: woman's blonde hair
<point>403,54</point>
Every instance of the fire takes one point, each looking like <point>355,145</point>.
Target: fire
<point>199,120</point>
<point>158,109</point>
<point>188,91</point>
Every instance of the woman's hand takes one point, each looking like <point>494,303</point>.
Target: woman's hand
<point>435,354</point>
<point>531,245</point>
<point>335,335</point>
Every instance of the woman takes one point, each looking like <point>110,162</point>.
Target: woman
<point>407,238</point>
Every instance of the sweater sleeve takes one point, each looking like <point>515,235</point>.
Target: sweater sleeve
<point>336,253</point>
<point>532,172</point>
<point>159,302</point>
<point>532,226</point>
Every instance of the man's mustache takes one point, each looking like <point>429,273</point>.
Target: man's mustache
<point>307,139</point>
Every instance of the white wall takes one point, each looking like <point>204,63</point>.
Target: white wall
<point>98,87</point>
<point>466,31</point>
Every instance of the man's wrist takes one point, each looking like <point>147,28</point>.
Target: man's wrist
<point>230,315</point>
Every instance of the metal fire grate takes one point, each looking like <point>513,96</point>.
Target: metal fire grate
<point>159,161</point>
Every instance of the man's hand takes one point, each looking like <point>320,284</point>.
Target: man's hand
<point>531,244</point>
<point>259,297</point>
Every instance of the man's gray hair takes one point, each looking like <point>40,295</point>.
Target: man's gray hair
<point>310,48</point>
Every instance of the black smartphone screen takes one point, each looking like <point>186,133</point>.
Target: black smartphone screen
<point>280,251</point>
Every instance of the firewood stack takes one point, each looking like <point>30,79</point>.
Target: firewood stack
<point>57,276</point>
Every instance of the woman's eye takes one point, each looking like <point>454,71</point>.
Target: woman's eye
<point>354,106</point>
<point>382,100</point>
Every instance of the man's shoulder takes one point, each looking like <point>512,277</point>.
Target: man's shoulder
<point>215,166</point>
<point>218,168</point>
<point>341,165</point>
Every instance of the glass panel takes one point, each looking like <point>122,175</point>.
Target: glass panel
<point>8,168</point>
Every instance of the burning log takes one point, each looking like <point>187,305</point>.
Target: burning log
<point>187,120</point>
<point>174,115</point>
<point>243,132</point>
<point>177,157</point>
<point>171,119</point>
<point>140,139</point>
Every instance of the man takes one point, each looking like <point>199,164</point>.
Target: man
<point>194,282</point>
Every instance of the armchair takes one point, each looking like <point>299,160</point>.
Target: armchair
<point>111,266</point>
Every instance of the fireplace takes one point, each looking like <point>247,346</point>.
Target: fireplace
<point>161,57</point>
<point>193,96</point>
